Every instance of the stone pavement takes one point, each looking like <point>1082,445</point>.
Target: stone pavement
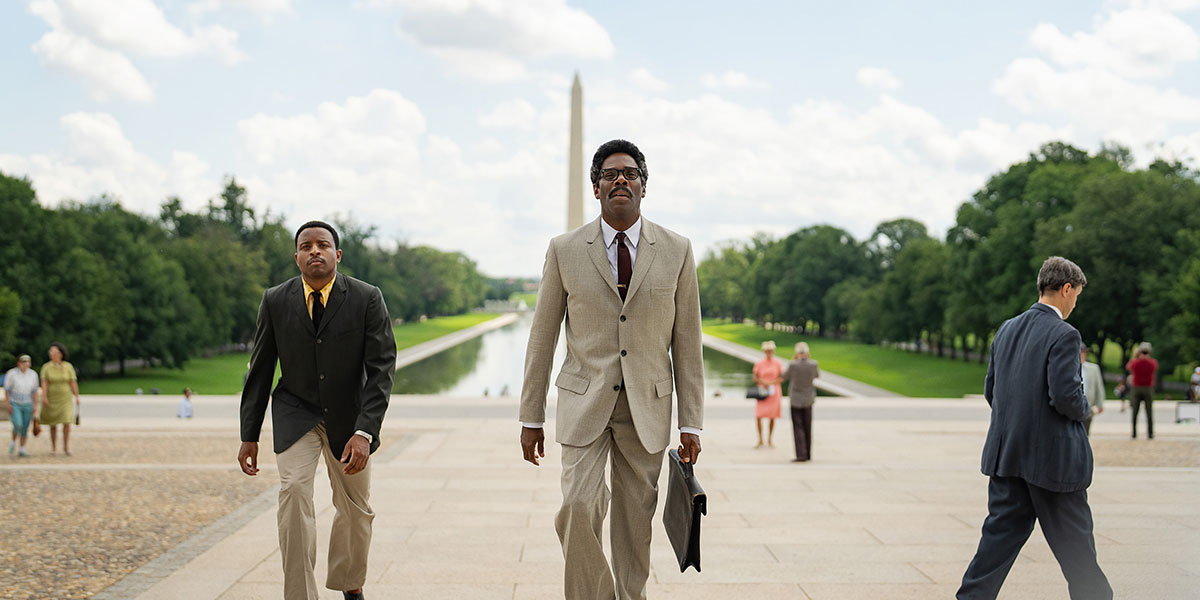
<point>889,508</point>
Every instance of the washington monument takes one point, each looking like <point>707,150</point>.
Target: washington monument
<point>575,160</point>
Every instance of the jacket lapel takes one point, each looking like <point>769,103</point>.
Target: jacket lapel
<point>645,258</point>
<point>600,257</point>
<point>337,297</point>
<point>300,305</point>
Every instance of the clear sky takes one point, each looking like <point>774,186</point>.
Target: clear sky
<point>444,122</point>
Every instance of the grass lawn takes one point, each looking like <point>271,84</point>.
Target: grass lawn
<point>530,298</point>
<point>915,375</point>
<point>222,374</point>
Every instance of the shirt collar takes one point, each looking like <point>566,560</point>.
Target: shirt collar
<point>324,291</point>
<point>634,233</point>
<point>1054,308</point>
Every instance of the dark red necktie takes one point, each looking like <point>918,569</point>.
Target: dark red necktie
<point>624,266</point>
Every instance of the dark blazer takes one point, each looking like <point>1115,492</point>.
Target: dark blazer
<point>1035,388</point>
<point>341,374</point>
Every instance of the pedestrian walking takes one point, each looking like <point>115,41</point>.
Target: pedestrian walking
<point>332,339</point>
<point>1143,369</point>
<point>801,372</point>
<point>1036,454</point>
<point>59,386</point>
<point>628,292</point>
<point>768,373</point>
<point>1093,387</point>
<point>21,384</point>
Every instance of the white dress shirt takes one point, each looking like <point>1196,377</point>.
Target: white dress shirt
<point>632,236</point>
<point>1056,311</point>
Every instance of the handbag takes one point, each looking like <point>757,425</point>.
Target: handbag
<point>758,392</point>
<point>686,503</point>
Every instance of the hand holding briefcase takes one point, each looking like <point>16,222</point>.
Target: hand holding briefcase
<point>686,503</point>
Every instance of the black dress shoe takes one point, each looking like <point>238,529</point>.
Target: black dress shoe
<point>353,596</point>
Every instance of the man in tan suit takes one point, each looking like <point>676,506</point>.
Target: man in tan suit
<point>627,289</point>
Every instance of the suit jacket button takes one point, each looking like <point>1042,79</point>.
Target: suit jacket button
<point>318,340</point>
<point>616,388</point>
<point>322,377</point>
<point>622,318</point>
<point>622,353</point>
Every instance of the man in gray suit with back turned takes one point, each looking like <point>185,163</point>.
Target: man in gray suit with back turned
<point>333,340</point>
<point>627,289</point>
<point>1037,452</point>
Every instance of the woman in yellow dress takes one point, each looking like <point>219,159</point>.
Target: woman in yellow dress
<point>59,384</point>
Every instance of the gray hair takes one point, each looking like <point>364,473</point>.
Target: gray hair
<point>1057,272</point>
<point>1144,347</point>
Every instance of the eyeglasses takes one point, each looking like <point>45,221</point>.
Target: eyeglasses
<point>629,173</point>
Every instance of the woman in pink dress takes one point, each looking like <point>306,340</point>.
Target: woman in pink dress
<point>768,373</point>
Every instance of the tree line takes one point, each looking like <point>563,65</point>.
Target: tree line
<point>1134,232</point>
<point>114,285</point>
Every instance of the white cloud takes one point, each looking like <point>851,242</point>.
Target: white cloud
<point>475,36</point>
<point>877,78</point>
<point>1134,43</point>
<point>92,41</point>
<point>646,80</point>
<point>99,159</point>
<point>105,73</point>
<point>514,114</point>
<point>735,80</point>
<point>264,8</point>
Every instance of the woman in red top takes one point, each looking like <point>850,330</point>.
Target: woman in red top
<point>1142,368</point>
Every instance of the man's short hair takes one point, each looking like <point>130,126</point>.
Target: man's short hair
<point>1145,348</point>
<point>612,147</point>
<point>322,225</point>
<point>1057,272</point>
<point>1083,347</point>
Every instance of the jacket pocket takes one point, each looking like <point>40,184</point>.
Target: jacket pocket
<point>663,388</point>
<point>572,383</point>
<point>662,291</point>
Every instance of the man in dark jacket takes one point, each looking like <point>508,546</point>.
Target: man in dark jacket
<point>333,339</point>
<point>1037,453</point>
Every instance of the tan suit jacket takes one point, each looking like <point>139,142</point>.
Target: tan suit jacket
<point>651,342</point>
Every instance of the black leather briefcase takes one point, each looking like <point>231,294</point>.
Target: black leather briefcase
<point>686,502</point>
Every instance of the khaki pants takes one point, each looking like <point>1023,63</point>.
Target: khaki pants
<point>350,538</point>
<point>586,500</point>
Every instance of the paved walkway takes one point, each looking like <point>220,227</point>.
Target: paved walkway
<point>830,382</point>
<point>888,509</point>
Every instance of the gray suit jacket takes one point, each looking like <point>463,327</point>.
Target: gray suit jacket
<point>651,342</point>
<point>1093,384</point>
<point>340,374</point>
<point>1034,387</point>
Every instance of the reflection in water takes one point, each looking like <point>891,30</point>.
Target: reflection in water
<point>495,363</point>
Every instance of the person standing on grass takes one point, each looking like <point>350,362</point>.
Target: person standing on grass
<point>768,374</point>
<point>333,340</point>
<point>1142,369</point>
<point>59,386</point>
<point>1037,453</point>
<point>801,372</point>
<point>1093,387</point>
<point>21,385</point>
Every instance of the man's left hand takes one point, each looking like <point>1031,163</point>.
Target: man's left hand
<point>689,447</point>
<point>355,455</point>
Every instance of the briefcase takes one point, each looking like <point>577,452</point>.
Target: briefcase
<point>686,502</point>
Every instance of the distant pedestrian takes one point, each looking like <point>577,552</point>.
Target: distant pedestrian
<point>801,372</point>
<point>1122,391</point>
<point>1093,387</point>
<point>21,385</point>
<point>1036,454</point>
<point>185,405</point>
<point>59,385</point>
<point>768,373</point>
<point>1195,389</point>
<point>1143,369</point>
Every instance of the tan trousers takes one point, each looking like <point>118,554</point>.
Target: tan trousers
<point>350,538</point>
<point>586,500</point>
